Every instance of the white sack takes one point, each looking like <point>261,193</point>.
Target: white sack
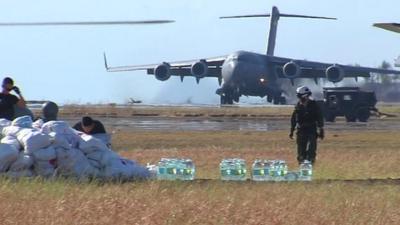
<point>61,129</point>
<point>105,138</point>
<point>95,164</point>
<point>89,144</point>
<point>4,123</point>
<point>8,155</point>
<point>96,156</point>
<point>23,121</point>
<point>38,124</point>
<point>45,154</point>
<point>59,141</point>
<point>101,158</point>
<point>108,157</point>
<point>10,140</point>
<point>33,140</point>
<point>73,162</point>
<point>43,168</point>
<point>11,131</point>
<point>19,174</point>
<point>125,169</point>
<point>24,162</point>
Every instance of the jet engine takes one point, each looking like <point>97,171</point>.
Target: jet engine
<point>335,74</point>
<point>291,70</point>
<point>199,69</point>
<point>162,72</point>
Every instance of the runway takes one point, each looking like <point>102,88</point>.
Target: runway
<point>170,124</point>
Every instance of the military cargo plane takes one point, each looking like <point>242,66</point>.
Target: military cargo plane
<point>395,27</point>
<point>252,74</point>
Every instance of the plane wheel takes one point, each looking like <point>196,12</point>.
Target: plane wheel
<point>279,100</point>
<point>269,98</point>
<point>226,100</point>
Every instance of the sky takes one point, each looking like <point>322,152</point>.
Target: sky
<point>65,64</point>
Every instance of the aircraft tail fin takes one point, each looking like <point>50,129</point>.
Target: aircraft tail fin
<point>275,16</point>
<point>105,61</point>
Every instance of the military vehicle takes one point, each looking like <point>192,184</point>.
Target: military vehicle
<point>350,102</point>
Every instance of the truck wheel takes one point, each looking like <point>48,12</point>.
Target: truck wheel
<point>283,100</point>
<point>330,117</point>
<point>350,118</point>
<point>363,114</point>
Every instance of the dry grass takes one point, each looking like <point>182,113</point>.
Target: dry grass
<point>341,156</point>
<point>346,155</point>
<point>198,203</point>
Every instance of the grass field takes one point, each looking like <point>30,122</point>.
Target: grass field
<point>345,155</point>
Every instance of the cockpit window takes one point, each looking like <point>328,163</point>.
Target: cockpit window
<point>246,58</point>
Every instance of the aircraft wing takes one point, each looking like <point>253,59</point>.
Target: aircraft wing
<point>395,27</point>
<point>179,68</point>
<point>310,69</point>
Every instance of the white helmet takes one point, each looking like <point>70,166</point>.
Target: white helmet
<point>303,91</point>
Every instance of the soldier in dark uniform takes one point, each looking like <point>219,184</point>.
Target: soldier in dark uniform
<point>49,111</point>
<point>307,120</point>
<point>90,126</point>
<point>8,100</point>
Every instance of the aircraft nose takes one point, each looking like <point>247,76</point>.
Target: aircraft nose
<point>228,69</point>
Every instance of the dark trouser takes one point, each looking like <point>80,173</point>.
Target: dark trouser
<point>306,146</point>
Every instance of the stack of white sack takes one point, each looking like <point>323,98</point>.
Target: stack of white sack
<point>110,164</point>
<point>55,149</point>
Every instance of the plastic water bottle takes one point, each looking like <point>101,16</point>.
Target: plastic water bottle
<point>233,169</point>
<point>263,170</point>
<point>258,170</point>
<point>283,169</point>
<point>306,171</point>
<point>165,170</point>
<point>273,170</point>
<point>292,176</point>
<point>186,170</point>
<point>162,169</point>
<point>277,170</point>
<point>175,169</point>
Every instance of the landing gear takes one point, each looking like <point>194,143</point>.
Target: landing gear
<point>269,98</point>
<point>226,100</point>
<point>278,100</point>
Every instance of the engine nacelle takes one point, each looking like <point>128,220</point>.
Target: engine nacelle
<point>162,72</point>
<point>199,69</point>
<point>291,70</point>
<point>335,74</point>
